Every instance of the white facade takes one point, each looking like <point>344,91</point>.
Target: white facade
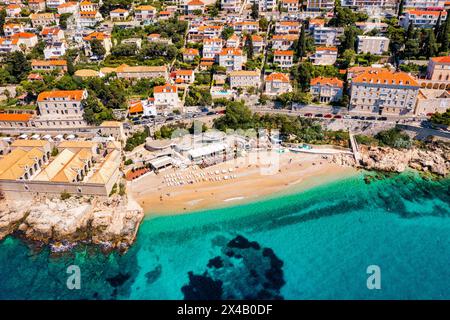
<point>373,45</point>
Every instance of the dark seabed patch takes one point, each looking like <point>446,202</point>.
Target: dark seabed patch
<point>154,274</point>
<point>243,270</point>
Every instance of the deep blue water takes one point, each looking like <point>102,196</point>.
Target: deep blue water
<point>321,240</point>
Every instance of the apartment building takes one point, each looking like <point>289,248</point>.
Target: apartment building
<point>105,40</point>
<point>55,50</point>
<point>283,41</point>
<point>422,18</point>
<point>232,59</point>
<point>189,54</point>
<point>9,29</point>
<point>68,7</point>
<point>290,6</point>
<point>439,69</point>
<point>48,65</point>
<point>319,5</point>
<point>327,90</point>
<point>36,5</point>
<point>245,78</point>
<point>43,20</point>
<point>277,83</point>
<point>287,27</point>
<point>432,101</point>
<point>383,5</point>
<point>53,4</point>
<point>327,36</point>
<point>422,4</point>
<point>137,72</point>
<point>324,56</point>
<point>145,13</point>
<point>119,14</point>
<point>61,103</point>
<point>379,91</point>
<point>373,45</point>
<point>166,97</point>
<point>212,47</point>
<point>246,27</point>
<point>230,5</point>
<point>284,59</point>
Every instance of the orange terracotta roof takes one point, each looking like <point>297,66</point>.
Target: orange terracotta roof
<point>184,72</point>
<point>426,12</point>
<point>165,88</point>
<point>195,3</point>
<point>290,23</point>
<point>165,13</point>
<point>146,8</point>
<point>75,95</point>
<point>285,37</point>
<point>67,5</point>
<point>35,62</point>
<point>191,51</point>
<point>283,53</point>
<point>327,81</point>
<point>95,35</point>
<point>326,49</point>
<point>379,76</point>
<point>276,76</point>
<point>25,35</point>
<point>119,10</point>
<point>136,107</point>
<point>445,59</point>
<point>24,117</point>
<point>289,1</point>
<point>232,51</point>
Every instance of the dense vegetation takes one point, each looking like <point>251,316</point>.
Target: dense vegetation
<point>441,118</point>
<point>135,140</point>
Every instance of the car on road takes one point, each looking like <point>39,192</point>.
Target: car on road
<point>355,117</point>
<point>370,118</point>
<point>337,116</point>
<point>318,115</point>
<point>328,116</point>
<point>210,113</point>
<point>347,117</point>
<point>308,114</point>
<point>382,118</point>
<point>170,118</point>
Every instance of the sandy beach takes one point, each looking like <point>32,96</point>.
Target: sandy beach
<point>255,176</point>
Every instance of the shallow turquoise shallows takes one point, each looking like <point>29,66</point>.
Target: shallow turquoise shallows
<point>326,237</point>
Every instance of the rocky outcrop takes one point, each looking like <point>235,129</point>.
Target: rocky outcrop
<point>434,159</point>
<point>111,223</point>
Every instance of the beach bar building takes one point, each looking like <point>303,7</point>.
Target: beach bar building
<point>208,152</point>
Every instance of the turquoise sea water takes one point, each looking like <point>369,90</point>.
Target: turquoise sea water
<point>325,237</point>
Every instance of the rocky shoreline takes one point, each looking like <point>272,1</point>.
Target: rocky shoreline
<point>435,159</point>
<point>61,224</point>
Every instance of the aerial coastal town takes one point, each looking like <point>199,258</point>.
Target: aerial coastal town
<point>114,108</point>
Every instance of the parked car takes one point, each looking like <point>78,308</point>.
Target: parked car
<point>318,115</point>
<point>328,116</point>
<point>370,118</point>
<point>308,114</point>
<point>337,116</point>
<point>382,118</point>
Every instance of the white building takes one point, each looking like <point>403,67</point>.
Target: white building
<point>373,45</point>
<point>230,5</point>
<point>277,83</point>
<point>166,97</point>
<point>327,90</point>
<point>232,59</point>
<point>327,36</point>
<point>55,50</point>
<point>422,18</point>
<point>324,56</point>
<point>319,5</point>
<point>245,78</point>
<point>379,91</point>
<point>212,47</point>
<point>61,103</point>
<point>424,4</point>
<point>145,13</point>
<point>284,59</point>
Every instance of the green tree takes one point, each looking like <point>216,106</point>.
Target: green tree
<point>444,34</point>
<point>301,45</point>
<point>63,20</point>
<point>400,8</point>
<point>237,116</point>
<point>95,112</point>
<point>349,57</point>
<point>227,32</point>
<point>2,20</point>
<point>249,46</point>
<point>255,11</point>
<point>441,118</point>
<point>305,70</point>
<point>97,48</point>
<point>263,24</point>
<point>430,48</point>
<point>17,65</point>
<point>348,40</point>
